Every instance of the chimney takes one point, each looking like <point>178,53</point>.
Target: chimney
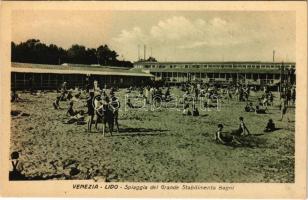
<point>273,55</point>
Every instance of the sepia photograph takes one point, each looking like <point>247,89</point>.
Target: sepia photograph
<point>153,96</point>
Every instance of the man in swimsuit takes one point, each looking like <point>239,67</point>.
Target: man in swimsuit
<point>90,110</point>
<point>115,106</point>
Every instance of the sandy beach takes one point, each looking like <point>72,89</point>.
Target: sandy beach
<point>153,146</point>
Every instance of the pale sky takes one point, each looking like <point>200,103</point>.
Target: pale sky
<point>172,36</point>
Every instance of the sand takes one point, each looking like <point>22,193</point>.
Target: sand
<point>156,146</point>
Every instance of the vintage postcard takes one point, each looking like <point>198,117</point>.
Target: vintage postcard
<point>153,99</point>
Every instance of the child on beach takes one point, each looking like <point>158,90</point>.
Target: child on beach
<point>17,168</point>
<point>270,127</point>
<point>71,111</point>
<point>107,115</point>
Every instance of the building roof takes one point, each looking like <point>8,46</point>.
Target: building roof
<point>75,69</point>
<point>216,70</point>
<point>215,62</point>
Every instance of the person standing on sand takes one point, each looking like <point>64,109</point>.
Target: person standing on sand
<point>64,86</point>
<point>106,114</point>
<point>147,94</point>
<point>151,95</point>
<point>90,110</point>
<point>283,107</point>
<point>97,114</point>
<point>293,95</point>
<point>115,106</point>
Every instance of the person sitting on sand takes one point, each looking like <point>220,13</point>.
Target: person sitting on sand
<point>17,168</point>
<point>224,137</point>
<point>56,103</point>
<point>79,118</point>
<point>186,110</point>
<point>270,127</point>
<point>249,107</point>
<point>71,111</point>
<point>167,94</point>
<point>260,110</point>
<point>242,130</point>
<point>129,104</point>
<point>14,96</point>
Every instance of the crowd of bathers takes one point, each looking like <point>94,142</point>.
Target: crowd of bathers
<point>103,107</point>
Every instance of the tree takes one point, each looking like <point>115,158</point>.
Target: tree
<point>77,54</point>
<point>34,51</point>
<point>106,56</point>
<point>92,56</point>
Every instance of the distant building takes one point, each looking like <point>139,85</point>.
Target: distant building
<point>251,73</point>
<point>41,76</point>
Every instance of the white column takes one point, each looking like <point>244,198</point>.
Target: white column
<point>266,78</point>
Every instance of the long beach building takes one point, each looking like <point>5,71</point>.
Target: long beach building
<point>42,76</point>
<point>252,73</point>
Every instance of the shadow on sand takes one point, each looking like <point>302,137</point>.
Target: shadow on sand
<point>13,176</point>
